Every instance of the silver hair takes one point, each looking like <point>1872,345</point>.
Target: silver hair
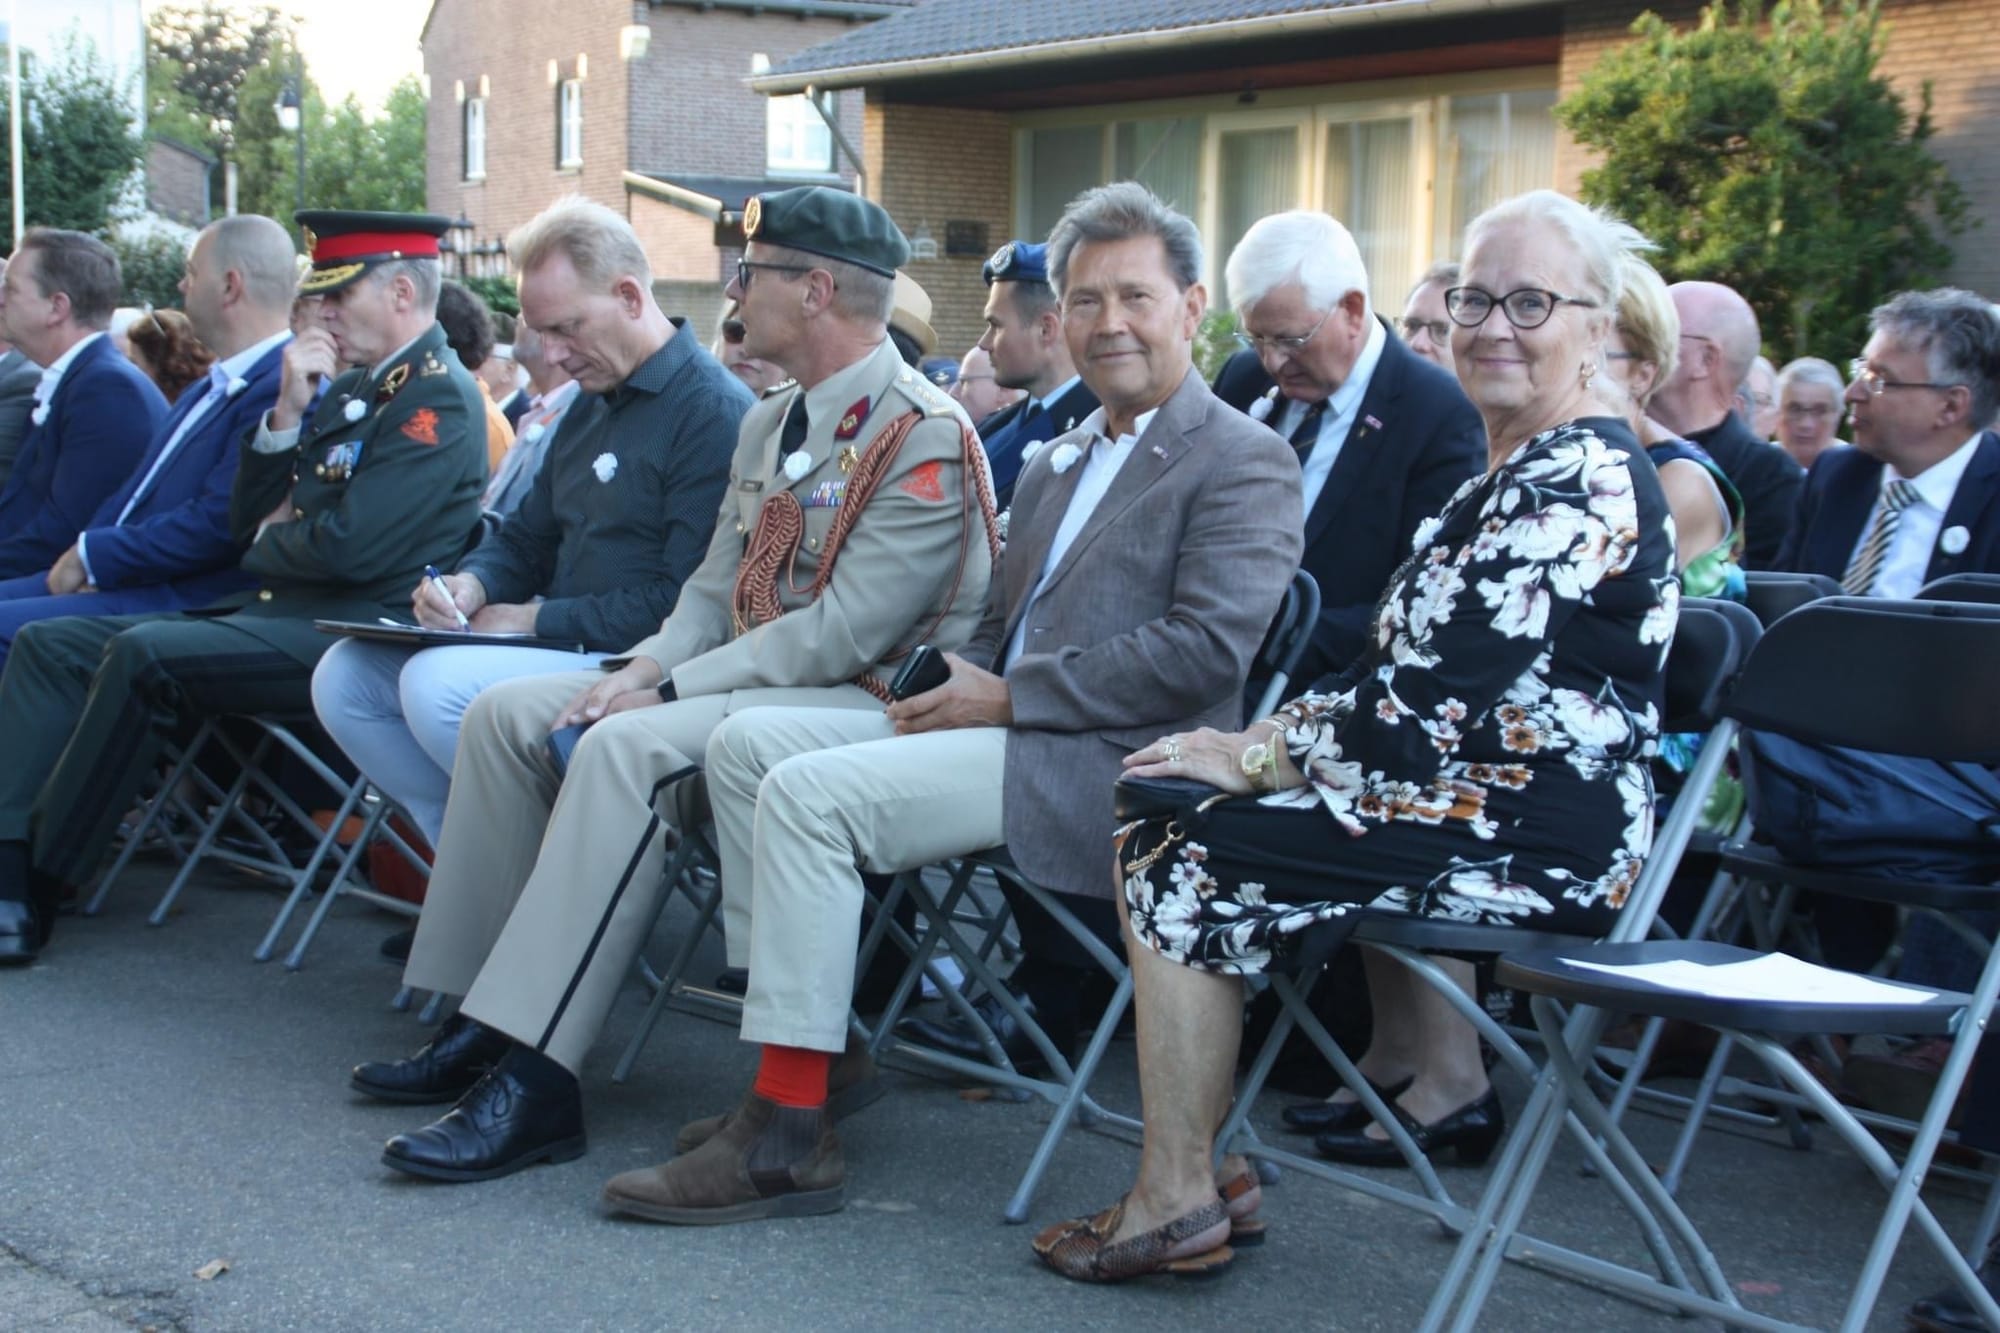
<point>1811,370</point>
<point>1311,249</point>
<point>600,245</point>
<point>1117,212</point>
<point>858,293</point>
<point>1444,273</point>
<point>426,277</point>
<point>1598,237</point>
<point>1959,335</point>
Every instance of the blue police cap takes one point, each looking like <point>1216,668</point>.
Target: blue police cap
<point>1017,261</point>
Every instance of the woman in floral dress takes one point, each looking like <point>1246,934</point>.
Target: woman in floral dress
<point>1486,761</point>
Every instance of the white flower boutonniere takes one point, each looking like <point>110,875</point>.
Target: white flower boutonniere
<point>355,409</point>
<point>40,414</point>
<point>534,431</point>
<point>605,466</point>
<point>1953,540</point>
<point>1261,409</point>
<point>1064,458</point>
<point>1029,451</point>
<point>797,464</point>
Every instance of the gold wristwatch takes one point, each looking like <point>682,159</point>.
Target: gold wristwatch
<point>1260,762</point>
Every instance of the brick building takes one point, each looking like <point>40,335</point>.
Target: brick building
<point>982,120</point>
<point>179,181</point>
<point>642,105</point>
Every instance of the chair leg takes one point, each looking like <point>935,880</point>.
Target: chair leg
<point>210,830</point>
<point>1066,1110</point>
<point>705,912</point>
<point>349,856</point>
<point>433,1009</point>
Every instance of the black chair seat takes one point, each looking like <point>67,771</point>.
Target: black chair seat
<point>1764,864</point>
<point>1551,972</point>
<point>1431,935</point>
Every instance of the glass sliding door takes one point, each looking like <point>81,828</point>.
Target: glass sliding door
<point>1257,172</point>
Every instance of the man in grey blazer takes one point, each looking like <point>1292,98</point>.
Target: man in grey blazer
<point>1148,550</point>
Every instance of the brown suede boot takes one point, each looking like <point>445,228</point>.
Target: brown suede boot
<point>851,1084</point>
<point>766,1161</point>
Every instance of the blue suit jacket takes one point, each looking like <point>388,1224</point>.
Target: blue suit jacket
<point>1840,494</point>
<point>1387,479</point>
<point>100,421</point>
<point>1009,431</point>
<point>178,533</point>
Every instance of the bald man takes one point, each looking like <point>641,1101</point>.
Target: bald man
<point>1719,341</point>
<point>162,541</point>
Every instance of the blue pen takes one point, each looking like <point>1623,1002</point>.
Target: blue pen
<point>436,581</point>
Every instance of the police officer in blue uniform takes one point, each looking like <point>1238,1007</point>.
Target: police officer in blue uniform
<point>1024,337</point>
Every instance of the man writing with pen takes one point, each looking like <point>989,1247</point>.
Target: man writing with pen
<point>368,467</point>
<point>593,557</point>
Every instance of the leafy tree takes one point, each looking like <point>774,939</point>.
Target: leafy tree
<point>78,144</point>
<point>151,257</point>
<point>199,56</point>
<point>354,161</point>
<point>1779,162</point>
<point>500,294</point>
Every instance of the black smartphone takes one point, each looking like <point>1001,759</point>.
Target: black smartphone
<point>562,744</point>
<point>923,670</point>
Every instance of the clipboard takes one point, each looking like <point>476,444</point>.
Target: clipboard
<point>421,636</point>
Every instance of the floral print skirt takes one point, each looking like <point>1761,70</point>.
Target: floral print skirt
<point>1230,888</point>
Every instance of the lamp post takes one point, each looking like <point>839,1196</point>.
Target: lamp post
<point>291,116</point>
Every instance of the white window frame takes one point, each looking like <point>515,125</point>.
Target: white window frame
<point>474,129</point>
<point>569,124</point>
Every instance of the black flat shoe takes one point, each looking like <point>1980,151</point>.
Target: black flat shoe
<point>443,1071</point>
<point>1472,1129</point>
<point>1323,1116</point>
<point>527,1109</point>
<point>20,933</point>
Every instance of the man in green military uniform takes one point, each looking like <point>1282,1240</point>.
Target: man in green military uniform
<point>340,506</point>
<point>858,523</point>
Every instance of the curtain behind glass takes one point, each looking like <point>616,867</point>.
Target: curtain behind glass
<point>1370,185</point>
<point>1062,163</point>
<point>1164,156</point>
<point>1495,146</point>
<point>1257,173</point>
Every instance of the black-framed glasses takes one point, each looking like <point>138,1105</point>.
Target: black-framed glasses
<point>1440,330</point>
<point>1525,307</point>
<point>745,267</point>
<point>1874,383</point>
<point>1290,346</point>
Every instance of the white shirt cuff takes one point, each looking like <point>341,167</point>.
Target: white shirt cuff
<point>83,554</point>
<point>269,441</point>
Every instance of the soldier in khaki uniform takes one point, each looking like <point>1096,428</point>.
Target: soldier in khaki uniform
<point>340,506</point>
<point>858,523</point>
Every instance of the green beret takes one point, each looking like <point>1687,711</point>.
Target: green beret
<point>835,224</point>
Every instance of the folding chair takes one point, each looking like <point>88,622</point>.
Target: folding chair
<point>1709,648</point>
<point>1961,588</point>
<point>1771,593</point>
<point>1913,682</point>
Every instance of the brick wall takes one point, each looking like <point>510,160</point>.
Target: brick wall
<point>510,43</point>
<point>680,243</point>
<point>177,183</point>
<point>1926,39</point>
<point>931,165</point>
<point>692,110</point>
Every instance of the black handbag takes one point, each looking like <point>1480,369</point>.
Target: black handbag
<point>1154,798</point>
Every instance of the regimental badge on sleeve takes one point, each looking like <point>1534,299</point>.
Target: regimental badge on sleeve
<point>422,426</point>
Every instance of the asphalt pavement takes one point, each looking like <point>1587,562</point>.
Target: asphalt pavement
<point>181,1151</point>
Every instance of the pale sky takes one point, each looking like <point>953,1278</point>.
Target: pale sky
<point>357,46</point>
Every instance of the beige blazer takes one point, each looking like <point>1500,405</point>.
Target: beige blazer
<point>1148,625</point>
<point>918,556</point>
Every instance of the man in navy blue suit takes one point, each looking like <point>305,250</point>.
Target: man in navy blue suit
<point>162,541</point>
<point>1384,436</point>
<point>94,410</point>
<point>1918,497</point>
<point>1024,338</point>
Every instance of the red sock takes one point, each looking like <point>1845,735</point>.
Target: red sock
<point>793,1076</point>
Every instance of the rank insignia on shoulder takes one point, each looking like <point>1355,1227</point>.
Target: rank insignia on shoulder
<point>433,366</point>
<point>392,383</point>
<point>850,421</point>
<point>422,426</point>
<point>849,458</point>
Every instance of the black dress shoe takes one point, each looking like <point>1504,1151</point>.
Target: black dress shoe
<point>20,933</point>
<point>1473,1129</point>
<point>1948,1311</point>
<point>1323,1116</point>
<point>955,1036</point>
<point>397,947</point>
<point>443,1071</point>
<point>527,1109</point>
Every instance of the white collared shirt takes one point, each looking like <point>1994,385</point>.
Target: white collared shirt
<point>45,389</point>
<point>1337,422</point>
<point>1909,554</point>
<point>214,395</point>
<point>1100,469</point>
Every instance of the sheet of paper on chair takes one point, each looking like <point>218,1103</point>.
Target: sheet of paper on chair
<point>1773,976</point>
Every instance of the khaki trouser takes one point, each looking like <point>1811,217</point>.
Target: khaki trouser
<point>807,798</point>
<point>544,891</point>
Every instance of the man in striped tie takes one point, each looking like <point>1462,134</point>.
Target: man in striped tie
<point>1918,497</point>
